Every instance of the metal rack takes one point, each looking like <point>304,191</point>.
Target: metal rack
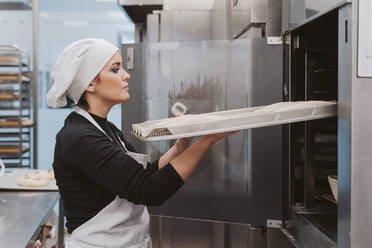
<point>15,107</point>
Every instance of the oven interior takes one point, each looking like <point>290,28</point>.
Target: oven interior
<point>313,144</point>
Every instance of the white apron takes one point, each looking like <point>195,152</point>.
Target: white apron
<point>119,224</point>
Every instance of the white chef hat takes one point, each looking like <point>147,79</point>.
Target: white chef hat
<point>77,66</point>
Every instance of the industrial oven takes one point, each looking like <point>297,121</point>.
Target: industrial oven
<point>271,177</point>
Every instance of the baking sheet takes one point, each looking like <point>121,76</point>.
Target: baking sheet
<point>15,123</point>
<point>233,120</point>
<point>12,77</point>
<point>10,181</point>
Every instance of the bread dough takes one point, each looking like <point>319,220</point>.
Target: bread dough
<point>46,174</point>
<point>29,180</point>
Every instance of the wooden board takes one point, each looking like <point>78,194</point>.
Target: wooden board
<point>9,181</point>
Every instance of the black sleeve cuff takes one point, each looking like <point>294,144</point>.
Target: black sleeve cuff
<point>167,182</point>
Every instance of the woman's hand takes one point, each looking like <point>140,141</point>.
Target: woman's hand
<point>182,144</point>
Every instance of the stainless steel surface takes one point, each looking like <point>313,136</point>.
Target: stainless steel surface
<point>344,125</point>
<point>153,27</point>
<point>293,13</point>
<point>240,16</point>
<point>313,222</point>
<point>183,233</point>
<point>306,234</point>
<point>210,76</point>
<point>173,24</point>
<point>170,233</point>
<point>35,72</point>
<point>22,214</point>
<point>316,15</point>
<point>136,92</point>
<point>9,181</point>
<point>258,11</point>
<point>361,155</point>
<point>274,17</point>
<point>364,39</point>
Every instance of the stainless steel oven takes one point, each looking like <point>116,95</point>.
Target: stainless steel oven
<point>318,58</point>
<point>272,177</point>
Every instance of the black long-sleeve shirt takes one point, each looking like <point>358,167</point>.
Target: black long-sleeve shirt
<point>91,170</point>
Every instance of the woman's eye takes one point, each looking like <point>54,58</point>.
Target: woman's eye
<point>116,69</point>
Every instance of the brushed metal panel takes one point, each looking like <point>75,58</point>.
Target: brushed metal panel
<point>344,126</point>
<point>361,155</point>
<point>175,25</point>
<point>210,76</point>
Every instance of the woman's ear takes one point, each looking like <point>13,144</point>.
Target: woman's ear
<point>91,87</point>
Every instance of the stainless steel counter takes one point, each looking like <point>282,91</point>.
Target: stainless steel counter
<point>22,214</point>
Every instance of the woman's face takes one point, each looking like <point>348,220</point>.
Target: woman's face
<point>112,82</point>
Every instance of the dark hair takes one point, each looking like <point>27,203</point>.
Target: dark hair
<point>83,102</point>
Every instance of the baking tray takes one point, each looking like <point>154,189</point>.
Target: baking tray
<point>13,77</point>
<point>12,149</point>
<point>8,97</point>
<point>9,181</point>
<point>233,120</point>
<point>15,123</point>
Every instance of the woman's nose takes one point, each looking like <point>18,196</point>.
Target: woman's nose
<point>126,76</point>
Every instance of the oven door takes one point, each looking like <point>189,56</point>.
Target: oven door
<point>240,180</point>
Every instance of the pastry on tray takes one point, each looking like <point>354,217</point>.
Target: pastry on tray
<point>37,178</point>
<point>29,180</point>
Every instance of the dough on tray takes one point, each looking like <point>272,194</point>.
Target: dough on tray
<point>46,174</point>
<point>29,180</point>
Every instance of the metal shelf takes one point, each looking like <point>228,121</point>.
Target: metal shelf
<point>12,64</point>
<point>15,93</point>
<point>15,165</point>
<point>13,134</point>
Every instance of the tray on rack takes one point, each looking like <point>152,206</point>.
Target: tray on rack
<point>8,59</point>
<point>9,181</point>
<point>12,150</point>
<point>8,96</point>
<point>233,120</point>
<point>13,78</point>
<point>15,123</point>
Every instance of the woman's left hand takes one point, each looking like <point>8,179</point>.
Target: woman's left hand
<point>182,144</point>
